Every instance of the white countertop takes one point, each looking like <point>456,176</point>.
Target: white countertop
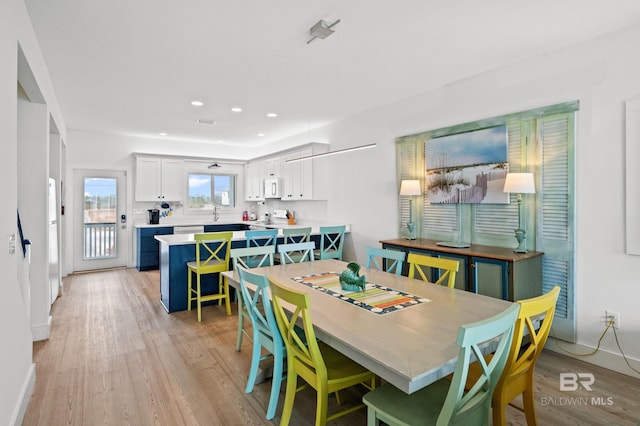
<point>178,239</point>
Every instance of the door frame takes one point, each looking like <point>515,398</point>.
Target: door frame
<point>72,193</point>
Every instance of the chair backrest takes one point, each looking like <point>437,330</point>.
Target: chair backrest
<point>474,406</point>
<point>258,305</point>
<point>296,253</point>
<point>303,349</point>
<point>296,235</point>
<point>449,266</point>
<point>212,248</point>
<point>331,241</point>
<point>261,237</point>
<point>531,310</point>
<point>391,259</point>
<point>252,257</point>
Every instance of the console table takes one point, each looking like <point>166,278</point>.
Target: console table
<point>492,271</point>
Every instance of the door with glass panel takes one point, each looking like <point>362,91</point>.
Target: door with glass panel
<point>100,220</point>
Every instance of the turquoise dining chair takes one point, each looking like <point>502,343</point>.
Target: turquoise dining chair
<point>331,242</point>
<point>392,260</point>
<point>296,253</point>
<point>260,237</point>
<point>265,334</point>
<point>443,402</point>
<point>262,256</point>
<point>293,236</point>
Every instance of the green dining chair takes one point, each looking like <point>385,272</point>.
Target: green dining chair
<point>265,333</point>
<point>390,260</point>
<point>293,236</point>
<point>261,256</point>
<point>331,242</point>
<point>443,402</point>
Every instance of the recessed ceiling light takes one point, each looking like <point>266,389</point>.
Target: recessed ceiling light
<point>197,103</point>
<point>236,109</point>
<point>162,134</point>
<point>272,115</point>
<point>206,121</point>
<point>220,140</point>
<point>260,134</point>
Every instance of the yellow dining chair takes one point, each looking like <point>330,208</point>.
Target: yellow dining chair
<point>444,402</point>
<point>212,256</point>
<point>519,370</point>
<point>449,266</point>
<point>318,364</point>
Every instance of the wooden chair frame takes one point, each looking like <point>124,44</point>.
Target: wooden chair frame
<point>417,261</point>
<point>385,255</point>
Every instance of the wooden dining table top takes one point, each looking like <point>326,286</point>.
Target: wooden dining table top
<point>410,347</point>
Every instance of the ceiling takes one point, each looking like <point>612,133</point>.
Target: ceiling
<point>133,67</point>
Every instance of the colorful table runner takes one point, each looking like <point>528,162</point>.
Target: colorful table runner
<point>376,298</point>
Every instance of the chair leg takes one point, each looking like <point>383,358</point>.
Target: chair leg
<point>227,299</point>
<point>189,296</point>
<point>498,405</point>
<point>372,418</point>
<point>529,406</point>
<point>255,362</point>
<point>276,382</point>
<point>198,295</point>
<point>240,324</point>
<point>322,403</point>
<point>289,396</point>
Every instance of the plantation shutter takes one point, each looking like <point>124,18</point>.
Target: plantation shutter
<point>408,167</point>
<point>493,224</point>
<point>556,206</point>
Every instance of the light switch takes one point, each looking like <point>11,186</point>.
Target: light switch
<point>12,244</point>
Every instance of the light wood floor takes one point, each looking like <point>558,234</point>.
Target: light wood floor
<point>116,357</point>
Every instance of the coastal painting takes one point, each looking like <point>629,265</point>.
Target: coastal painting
<point>467,167</point>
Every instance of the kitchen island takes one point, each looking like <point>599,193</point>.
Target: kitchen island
<point>178,249</point>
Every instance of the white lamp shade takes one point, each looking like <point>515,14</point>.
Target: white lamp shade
<point>410,187</point>
<point>519,183</point>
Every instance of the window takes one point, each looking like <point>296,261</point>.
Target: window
<point>207,190</point>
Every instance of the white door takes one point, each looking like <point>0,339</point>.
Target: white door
<point>100,220</point>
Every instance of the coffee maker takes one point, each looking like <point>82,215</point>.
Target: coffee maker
<point>153,217</point>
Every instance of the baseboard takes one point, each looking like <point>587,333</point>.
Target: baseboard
<point>41,332</point>
<point>25,395</point>
<point>602,358</point>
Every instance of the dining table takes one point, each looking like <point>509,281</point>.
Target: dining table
<point>404,330</point>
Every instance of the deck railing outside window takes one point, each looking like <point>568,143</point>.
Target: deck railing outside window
<point>99,240</point>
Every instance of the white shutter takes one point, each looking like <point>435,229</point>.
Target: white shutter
<point>556,206</point>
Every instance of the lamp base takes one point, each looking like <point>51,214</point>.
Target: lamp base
<point>412,231</point>
<point>520,237</point>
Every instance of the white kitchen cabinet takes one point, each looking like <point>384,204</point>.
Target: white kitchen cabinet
<point>254,176</point>
<point>158,179</point>
<point>272,167</point>
<point>297,176</point>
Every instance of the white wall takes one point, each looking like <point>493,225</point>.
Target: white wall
<point>17,373</point>
<point>601,74</point>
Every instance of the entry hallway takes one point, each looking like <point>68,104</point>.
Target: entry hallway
<point>116,357</point>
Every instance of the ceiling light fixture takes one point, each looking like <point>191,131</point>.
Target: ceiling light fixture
<point>205,121</point>
<point>236,109</point>
<point>162,134</point>
<point>260,134</point>
<point>272,115</point>
<point>321,30</point>
<point>197,103</point>
<point>337,151</point>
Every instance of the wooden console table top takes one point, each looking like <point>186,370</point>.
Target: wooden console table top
<point>490,252</point>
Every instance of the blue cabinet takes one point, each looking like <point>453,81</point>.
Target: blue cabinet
<point>226,227</point>
<point>147,255</point>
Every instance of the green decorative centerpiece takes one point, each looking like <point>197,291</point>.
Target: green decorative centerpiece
<point>350,279</point>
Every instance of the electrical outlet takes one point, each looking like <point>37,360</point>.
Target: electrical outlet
<point>612,316</point>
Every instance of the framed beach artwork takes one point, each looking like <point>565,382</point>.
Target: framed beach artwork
<point>467,167</point>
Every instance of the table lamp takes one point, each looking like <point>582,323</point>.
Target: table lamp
<point>410,188</point>
<point>520,183</point>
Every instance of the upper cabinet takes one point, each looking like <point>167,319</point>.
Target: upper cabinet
<point>253,177</point>
<point>158,179</point>
<point>304,179</point>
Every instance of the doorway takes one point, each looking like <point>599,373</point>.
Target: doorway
<point>100,220</point>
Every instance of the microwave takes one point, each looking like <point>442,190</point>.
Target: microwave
<point>272,188</point>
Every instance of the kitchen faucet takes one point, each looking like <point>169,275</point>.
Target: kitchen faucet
<point>216,216</point>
